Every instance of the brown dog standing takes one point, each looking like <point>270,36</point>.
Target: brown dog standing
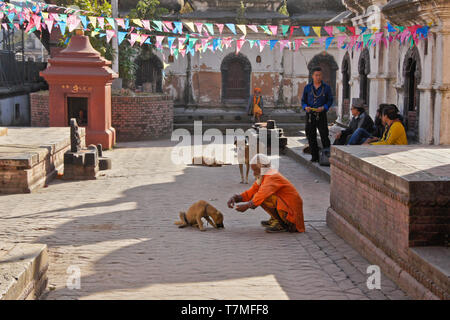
<point>201,209</point>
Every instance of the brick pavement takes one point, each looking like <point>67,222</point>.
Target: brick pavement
<point>119,231</point>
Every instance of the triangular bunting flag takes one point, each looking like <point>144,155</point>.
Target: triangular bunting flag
<point>298,43</point>
<point>101,22</point>
<point>199,26</point>
<point>144,38</point>
<point>242,28</point>
<point>366,38</point>
<point>262,44</point>
<point>210,28</point>
<point>231,27</point>
<point>220,27</point>
<point>310,41</point>
<point>265,29</point>
<point>121,35</point>
<point>109,35</point>
<point>306,30</point>
<point>253,27</point>
<point>284,29</point>
<point>178,27</point>
<point>317,30</point>
<point>84,22</point>
<point>93,21</point>
<point>146,24</point>
<point>120,22</point>
<point>273,30</point>
<point>352,30</point>
<point>328,42</point>
<point>111,23</point>
<point>329,30</point>
<point>62,27</point>
<point>158,25</point>
<point>137,22</point>
<point>273,42</point>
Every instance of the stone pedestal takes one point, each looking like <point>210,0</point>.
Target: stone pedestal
<point>80,79</point>
<point>81,165</point>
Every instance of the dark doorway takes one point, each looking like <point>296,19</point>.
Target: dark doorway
<point>329,67</point>
<point>149,74</point>
<point>364,70</point>
<point>412,74</point>
<point>346,73</point>
<point>236,71</point>
<point>77,108</point>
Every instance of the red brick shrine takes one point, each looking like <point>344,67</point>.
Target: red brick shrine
<point>79,81</point>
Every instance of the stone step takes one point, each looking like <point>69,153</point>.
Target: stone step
<point>23,270</point>
<point>288,128</point>
<point>434,261</point>
<point>235,117</point>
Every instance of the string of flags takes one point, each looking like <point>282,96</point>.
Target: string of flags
<point>183,38</point>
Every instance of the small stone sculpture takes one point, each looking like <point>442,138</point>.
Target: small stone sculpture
<point>75,141</point>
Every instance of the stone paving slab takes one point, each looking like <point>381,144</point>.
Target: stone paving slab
<point>118,230</point>
<point>294,150</point>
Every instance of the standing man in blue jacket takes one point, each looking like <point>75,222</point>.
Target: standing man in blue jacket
<point>317,99</point>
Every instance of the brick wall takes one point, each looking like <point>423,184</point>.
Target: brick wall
<point>39,109</point>
<point>142,118</point>
<point>393,210</point>
<point>134,118</point>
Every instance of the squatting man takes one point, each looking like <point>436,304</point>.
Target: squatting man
<point>275,194</point>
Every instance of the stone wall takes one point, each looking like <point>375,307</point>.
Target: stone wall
<point>142,117</point>
<point>133,117</point>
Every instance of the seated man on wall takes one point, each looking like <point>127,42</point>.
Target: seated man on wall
<point>361,134</point>
<point>275,194</point>
<point>395,133</point>
<point>359,120</point>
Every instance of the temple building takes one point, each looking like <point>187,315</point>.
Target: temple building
<point>224,79</point>
<point>413,78</point>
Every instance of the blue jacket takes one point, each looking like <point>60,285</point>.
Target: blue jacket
<point>250,105</point>
<point>325,98</point>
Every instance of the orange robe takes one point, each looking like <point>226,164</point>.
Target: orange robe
<point>288,198</point>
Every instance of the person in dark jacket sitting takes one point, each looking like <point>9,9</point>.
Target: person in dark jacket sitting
<point>360,120</point>
<point>361,134</point>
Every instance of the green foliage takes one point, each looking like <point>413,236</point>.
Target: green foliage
<point>240,14</point>
<point>95,8</point>
<point>127,67</point>
<point>283,9</point>
<point>147,9</point>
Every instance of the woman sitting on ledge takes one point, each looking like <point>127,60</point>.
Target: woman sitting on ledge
<point>394,134</point>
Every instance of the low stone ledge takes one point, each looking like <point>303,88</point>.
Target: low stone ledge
<point>23,271</point>
<point>395,197</point>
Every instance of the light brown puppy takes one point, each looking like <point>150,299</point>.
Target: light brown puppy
<point>201,209</point>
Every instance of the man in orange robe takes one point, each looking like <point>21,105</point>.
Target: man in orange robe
<point>275,194</point>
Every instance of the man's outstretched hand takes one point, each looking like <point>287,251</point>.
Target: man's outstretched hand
<point>234,199</point>
<point>242,207</point>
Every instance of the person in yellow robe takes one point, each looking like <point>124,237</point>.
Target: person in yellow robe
<point>255,105</point>
<point>275,194</point>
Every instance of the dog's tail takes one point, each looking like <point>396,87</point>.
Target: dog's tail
<point>183,222</point>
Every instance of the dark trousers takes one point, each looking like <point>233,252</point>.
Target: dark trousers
<point>312,124</point>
